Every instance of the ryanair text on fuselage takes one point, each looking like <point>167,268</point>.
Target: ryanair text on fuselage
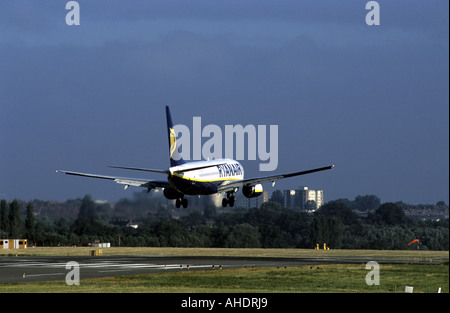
<point>228,170</point>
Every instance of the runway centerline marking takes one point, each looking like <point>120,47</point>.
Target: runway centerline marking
<point>38,275</point>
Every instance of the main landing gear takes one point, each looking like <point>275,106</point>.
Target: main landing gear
<point>181,202</point>
<point>229,200</point>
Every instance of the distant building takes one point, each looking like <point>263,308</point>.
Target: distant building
<point>255,202</point>
<point>303,199</point>
<point>292,199</point>
<point>13,243</point>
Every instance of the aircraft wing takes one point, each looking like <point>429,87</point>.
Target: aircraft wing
<point>259,180</point>
<point>138,182</point>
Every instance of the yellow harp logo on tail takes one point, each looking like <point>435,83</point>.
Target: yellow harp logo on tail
<point>173,141</point>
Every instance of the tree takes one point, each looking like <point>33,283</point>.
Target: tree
<point>173,233</point>
<point>87,222</point>
<point>244,236</point>
<point>202,236</point>
<point>30,223</point>
<point>327,230</point>
<point>277,196</point>
<point>194,219</point>
<point>4,219</point>
<point>272,206</point>
<point>87,208</point>
<point>310,206</point>
<point>391,214</point>
<point>272,236</point>
<point>366,203</point>
<point>340,210</point>
<point>15,222</point>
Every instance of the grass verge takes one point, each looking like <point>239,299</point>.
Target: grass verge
<point>412,255</point>
<point>348,278</point>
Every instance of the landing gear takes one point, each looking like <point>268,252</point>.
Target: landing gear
<point>181,202</point>
<point>229,200</point>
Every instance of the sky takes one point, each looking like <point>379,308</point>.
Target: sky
<point>372,100</point>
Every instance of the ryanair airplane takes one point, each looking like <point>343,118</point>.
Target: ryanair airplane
<point>224,176</point>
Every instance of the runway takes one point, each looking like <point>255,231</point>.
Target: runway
<point>51,268</point>
<point>35,268</point>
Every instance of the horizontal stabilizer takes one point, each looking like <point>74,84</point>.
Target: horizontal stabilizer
<point>142,169</point>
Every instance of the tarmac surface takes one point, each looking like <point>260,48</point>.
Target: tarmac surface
<point>50,268</point>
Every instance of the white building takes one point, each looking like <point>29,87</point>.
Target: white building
<point>304,199</point>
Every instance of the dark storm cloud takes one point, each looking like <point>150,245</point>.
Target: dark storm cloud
<point>374,101</point>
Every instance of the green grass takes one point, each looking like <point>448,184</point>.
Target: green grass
<point>412,255</point>
<point>349,278</point>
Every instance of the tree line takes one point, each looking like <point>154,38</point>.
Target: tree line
<point>385,226</point>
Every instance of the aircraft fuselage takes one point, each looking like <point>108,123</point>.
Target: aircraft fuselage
<point>203,177</point>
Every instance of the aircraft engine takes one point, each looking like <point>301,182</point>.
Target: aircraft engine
<point>172,194</point>
<point>252,191</point>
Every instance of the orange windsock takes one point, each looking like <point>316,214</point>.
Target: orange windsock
<point>415,240</point>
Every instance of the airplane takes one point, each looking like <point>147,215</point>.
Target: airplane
<point>223,176</point>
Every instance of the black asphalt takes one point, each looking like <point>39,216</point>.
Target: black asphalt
<point>36,268</point>
<point>48,268</point>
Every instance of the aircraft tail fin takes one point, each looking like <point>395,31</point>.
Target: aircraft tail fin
<point>174,154</point>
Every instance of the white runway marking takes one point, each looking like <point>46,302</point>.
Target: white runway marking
<point>53,268</point>
<point>38,275</point>
<point>104,265</point>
